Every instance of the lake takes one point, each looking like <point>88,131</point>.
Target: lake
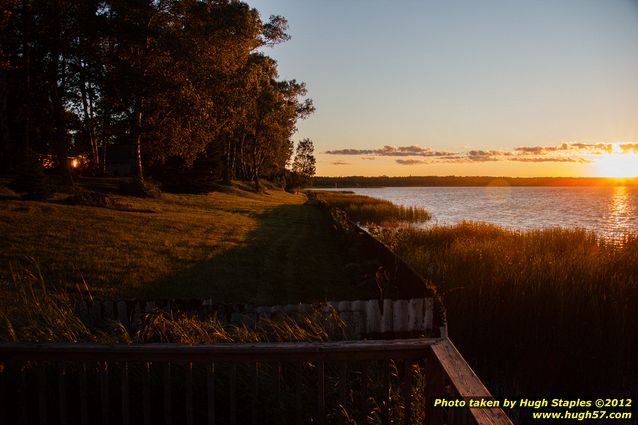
<point>610,211</point>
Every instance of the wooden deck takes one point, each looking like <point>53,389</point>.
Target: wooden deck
<point>86,383</point>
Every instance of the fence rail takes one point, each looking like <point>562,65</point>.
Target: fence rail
<point>396,380</point>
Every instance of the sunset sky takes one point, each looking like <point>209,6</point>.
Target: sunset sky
<point>496,87</point>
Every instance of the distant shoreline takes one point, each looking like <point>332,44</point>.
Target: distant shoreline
<point>478,181</point>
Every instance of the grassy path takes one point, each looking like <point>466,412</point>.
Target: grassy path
<point>232,246</point>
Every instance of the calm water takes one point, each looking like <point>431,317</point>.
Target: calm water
<point>610,211</point>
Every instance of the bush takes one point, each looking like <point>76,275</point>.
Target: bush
<point>140,189</point>
<point>92,199</point>
<point>31,182</point>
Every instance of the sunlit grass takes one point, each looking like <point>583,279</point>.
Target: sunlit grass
<point>367,210</point>
<point>534,310</point>
<point>232,245</point>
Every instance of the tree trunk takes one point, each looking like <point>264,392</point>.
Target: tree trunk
<point>6,153</point>
<point>89,123</point>
<point>26,48</point>
<point>136,139</point>
<point>226,171</point>
<point>256,167</point>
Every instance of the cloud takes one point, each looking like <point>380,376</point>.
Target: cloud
<point>340,162</point>
<point>480,155</point>
<point>565,152</point>
<point>627,147</point>
<point>412,161</point>
<point>551,159</point>
<point>565,147</point>
<point>388,150</point>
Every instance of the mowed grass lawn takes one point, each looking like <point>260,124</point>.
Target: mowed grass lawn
<point>231,246</point>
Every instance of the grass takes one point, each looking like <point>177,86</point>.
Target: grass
<point>361,398</point>
<point>535,311</point>
<point>231,245</point>
<point>372,211</point>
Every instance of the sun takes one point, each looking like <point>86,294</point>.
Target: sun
<point>618,165</point>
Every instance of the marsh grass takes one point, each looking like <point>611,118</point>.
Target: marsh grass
<point>367,210</point>
<point>534,311</point>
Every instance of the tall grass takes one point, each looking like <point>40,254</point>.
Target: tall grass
<point>552,310</point>
<point>41,313</point>
<point>367,210</point>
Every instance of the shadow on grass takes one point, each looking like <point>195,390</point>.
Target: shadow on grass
<point>292,256</point>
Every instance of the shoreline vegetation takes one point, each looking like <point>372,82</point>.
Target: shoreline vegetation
<point>533,311</point>
<point>470,181</point>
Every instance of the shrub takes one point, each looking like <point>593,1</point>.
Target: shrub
<point>140,189</point>
<point>31,181</point>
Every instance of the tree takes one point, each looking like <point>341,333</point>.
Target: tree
<point>304,164</point>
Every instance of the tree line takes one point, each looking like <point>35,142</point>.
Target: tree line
<point>418,181</point>
<point>182,86</point>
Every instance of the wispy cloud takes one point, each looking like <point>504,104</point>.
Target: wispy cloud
<point>340,162</point>
<point>576,159</point>
<point>388,150</point>
<point>412,161</point>
<point>565,152</point>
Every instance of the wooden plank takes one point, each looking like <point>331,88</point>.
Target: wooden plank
<point>146,393</point>
<point>234,353</point>
<point>298,389</point>
<point>416,314</point>
<point>386,316</point>
<point>428,320</point>
<point>466,383</point>
<point>22,397</point>
<point>373,317</point>
<point>357,324</point>
<point>188,394</point>
<point>84,406</point>
<point>343,384</point>
<point>406,392</point>
<point>255,396</point>
<point>42,395</point>
<point>210,386</point>
<point>104,392</point>
<point>400,316</point>
<point>233,394</point>
<point>126,416</point>
<point>62,403</point>
<point>3,394</point>
<point>321,393</point>
<point>168,402</point>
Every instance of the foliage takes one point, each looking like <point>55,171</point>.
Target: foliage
<point>303,166</point>
<point>183,82</point>
<point>31,182</point>
<point>140,188</point>
<point>369,211</point>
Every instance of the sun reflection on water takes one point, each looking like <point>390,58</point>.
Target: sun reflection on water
<point>620,210</point>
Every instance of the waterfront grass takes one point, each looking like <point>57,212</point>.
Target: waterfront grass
<point>231,245</point>
<point>367,210</point>
<point>538,310</point>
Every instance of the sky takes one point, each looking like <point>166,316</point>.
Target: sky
<point>465,87</point>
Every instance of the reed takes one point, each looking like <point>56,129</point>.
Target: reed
<point>534,311</point>
<point>368,211</point>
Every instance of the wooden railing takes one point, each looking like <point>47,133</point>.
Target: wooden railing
<point>394,381</point>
